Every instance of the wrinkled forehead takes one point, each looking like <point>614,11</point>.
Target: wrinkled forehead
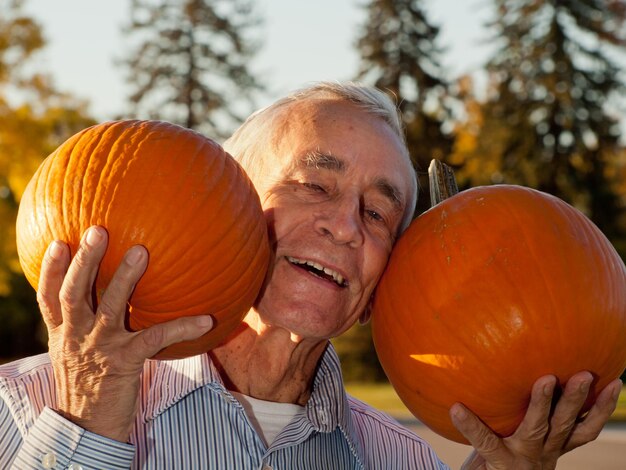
<point>301,123</point>
<point>313,120</point>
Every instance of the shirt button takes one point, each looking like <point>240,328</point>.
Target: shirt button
<point>48,460</point>
<point>267,467</point>
<point>74,466</point>
<point>323,418</point>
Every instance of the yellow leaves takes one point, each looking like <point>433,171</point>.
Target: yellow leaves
<point>477,158</point>
<point>27,137</point>
<point>34,119</point>
<point>20,37</point>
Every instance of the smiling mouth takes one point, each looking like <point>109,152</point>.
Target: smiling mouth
<point>320,271</point>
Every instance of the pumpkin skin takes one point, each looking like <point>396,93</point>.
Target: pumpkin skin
<point>165,187</point>
<point>490,290</point>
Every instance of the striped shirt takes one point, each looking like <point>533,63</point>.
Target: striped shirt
<point>188,420</point>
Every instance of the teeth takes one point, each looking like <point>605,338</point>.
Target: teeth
<point>338,278</point>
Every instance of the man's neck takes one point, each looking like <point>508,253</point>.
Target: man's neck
<point>268,363</point>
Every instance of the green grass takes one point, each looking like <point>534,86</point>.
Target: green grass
<point>383,397</point>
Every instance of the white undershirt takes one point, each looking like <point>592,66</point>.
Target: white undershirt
<point>268,417</point>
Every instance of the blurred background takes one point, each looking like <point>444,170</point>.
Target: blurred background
<point>525,92</point>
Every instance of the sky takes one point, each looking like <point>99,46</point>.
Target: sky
<point>302,41</point>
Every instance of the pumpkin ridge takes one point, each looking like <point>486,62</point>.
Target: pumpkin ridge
<point>169,294</point>
<point>86,200</point>
<point>137,170</point>
<point>234,221</point>
<point>216,178</point>
<point>578,237</point>
<point>130,177</point>
<point>410,383</point>
<point>504,275</point>
<point>56,190</point>
<point>38,186</point>
<point>63,160</point>
<point>28,220</point>
<point>121,166</point>
<point>477,358</point>
<point>566,212</point>
<point>54,195</point>
<point>386,295</point>
<point>111,164</point>
<point>504,247</point>
<point>593,237</point>
<point>112,171</point>
<point>237,264</point>
<point>532,356</point>
<point>528,358</point>
<point>547,286</point>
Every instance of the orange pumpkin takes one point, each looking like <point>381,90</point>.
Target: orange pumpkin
<point>167,188</point>
<point>488,291</point>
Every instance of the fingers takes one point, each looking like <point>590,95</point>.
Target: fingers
<point>542,437</point>
<point>112,307</point>
<point>535,425</point>
<point>150,341</point>
<point>486,443</point>
<point>53,268</point>
<point>566,411</point>
<point>589,429</point>
<point>76,292</point>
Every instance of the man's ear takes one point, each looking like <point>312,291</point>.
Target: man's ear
<point>367,313</point>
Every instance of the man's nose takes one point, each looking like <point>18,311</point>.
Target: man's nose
<point>342,222</point>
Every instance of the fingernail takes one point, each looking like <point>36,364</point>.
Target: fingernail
<point>204,321</point>
<point>459,412</point>
<point>618,390</point>
<point>93,236</point>
<point>134,255</point>
<point>55,250</point>
<point>584,386</point>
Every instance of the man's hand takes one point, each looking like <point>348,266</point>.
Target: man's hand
<point>546,433</point>
<point>96,361</point>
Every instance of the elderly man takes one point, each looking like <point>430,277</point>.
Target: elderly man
<point>337,189</point>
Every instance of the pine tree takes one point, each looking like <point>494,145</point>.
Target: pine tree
<point>190,64</point>
<point>399,54</point>
<point>553,82</point>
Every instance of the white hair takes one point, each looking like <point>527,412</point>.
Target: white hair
<point>249,142</point>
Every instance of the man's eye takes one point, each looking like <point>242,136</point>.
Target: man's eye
<point>314,187</point>
<point>373,215</point>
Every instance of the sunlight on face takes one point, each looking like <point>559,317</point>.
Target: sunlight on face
<point>334,197</point>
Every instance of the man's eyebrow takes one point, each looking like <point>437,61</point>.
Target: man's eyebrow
<point>326,161</point>
<point>391,192</point>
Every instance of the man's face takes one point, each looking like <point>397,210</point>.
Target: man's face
<point>334,191</point>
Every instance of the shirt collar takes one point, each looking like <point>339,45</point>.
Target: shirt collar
<point>328,407</point>
<point>166,382</point>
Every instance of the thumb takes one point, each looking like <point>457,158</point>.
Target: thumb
<point>484,441</point>
<point>150,341</point>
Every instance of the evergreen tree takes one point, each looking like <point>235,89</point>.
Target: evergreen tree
<point>191,62</point>
<point>399,54</point>
<point>34,119</point>
<point>553,81</point>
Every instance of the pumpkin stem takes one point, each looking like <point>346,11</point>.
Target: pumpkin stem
<point>442,182</point>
